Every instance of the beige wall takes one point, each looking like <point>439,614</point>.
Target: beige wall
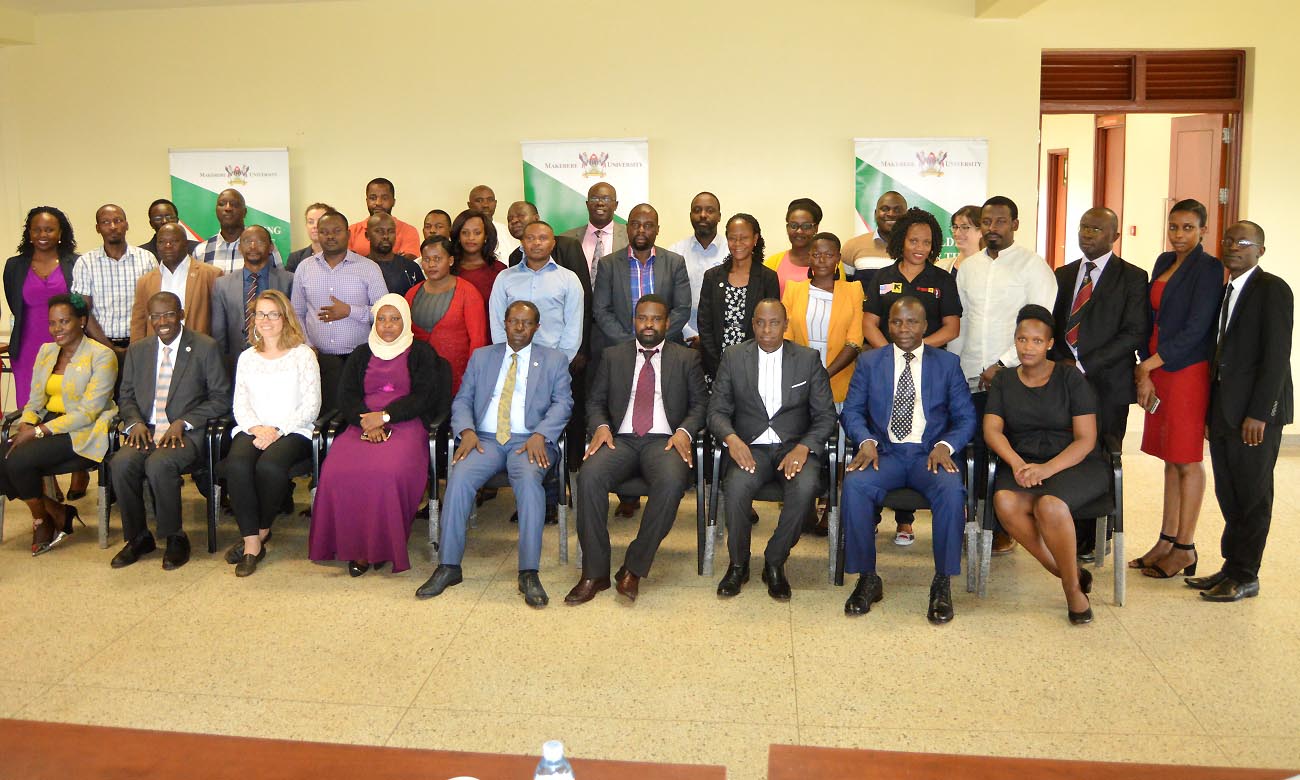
<point>1072,132</point>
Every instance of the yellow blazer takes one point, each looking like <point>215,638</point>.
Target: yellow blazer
<point>846,324</point>
<point>87,395</point>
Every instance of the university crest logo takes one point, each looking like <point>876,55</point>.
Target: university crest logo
<point>237,175</point>
<point>593,164</point>
<point>931,164</point>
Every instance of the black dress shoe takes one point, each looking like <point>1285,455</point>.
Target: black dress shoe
<point>531,586</point>
<point>778,587</point>
<point>940,610</point>
<point>131,553</point>
<point>868,591</point>
<point>236,552</point>
<point>735,577</point>
<point>177,553</point>
<point>552,516</point>
<point>357,568</point>
<point>248,564</point>
<point>442,578</point>
<point>1229,589</point>
<point>1207,582</point>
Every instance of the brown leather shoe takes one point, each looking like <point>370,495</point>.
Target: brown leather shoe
<point>1002,543</point>
<point>628,508</point>
<point>586,590</point>
<point>627,584</point>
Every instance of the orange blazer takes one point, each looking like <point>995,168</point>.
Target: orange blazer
<point>845,326</point>
<point>198,299</point>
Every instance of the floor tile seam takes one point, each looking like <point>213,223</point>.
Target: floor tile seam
<point>220,696</point>
<point>1161,674</point>
<point>45,688</point>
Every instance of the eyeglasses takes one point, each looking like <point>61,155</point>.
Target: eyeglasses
<point>1240,243</point>
<point>801,226</point>
<point>164,315</point>
<point>963,228</point>
<point>600,199</point>
<point>1091,229</point>
<point>268,315</point>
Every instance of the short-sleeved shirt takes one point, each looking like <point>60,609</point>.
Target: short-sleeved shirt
<point>111,285</point>
<point>933,287</point>
<point>1039,421</point>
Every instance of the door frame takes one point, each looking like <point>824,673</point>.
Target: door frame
<point>1058,167</point>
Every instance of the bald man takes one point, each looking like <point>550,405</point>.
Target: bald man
<point>483,200</point>
<point>401,273</point>
<point>863,255</point>
<point>222,250</point>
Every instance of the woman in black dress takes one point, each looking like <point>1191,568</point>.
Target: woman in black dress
<point>730,292</point>
<point>1041,421</point>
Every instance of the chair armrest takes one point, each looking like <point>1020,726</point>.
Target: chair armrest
<point>9,420</point>
<point>1112,445</point>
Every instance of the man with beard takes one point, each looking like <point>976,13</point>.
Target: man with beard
<point>704,250</point>
<point>234,293</point>
<point>382,196</point>
<point>401,273</point>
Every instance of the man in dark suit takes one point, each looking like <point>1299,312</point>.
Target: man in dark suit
<point>602,234</point>
<point>907,428</point>
<point>646,403</point>
<point>659,271</point>
<point>171,386</point>
<point>510,412</point>
<point>1101,321</point>
<point>772,407</point>
<point>232,292</point>
<point>1250,401</point>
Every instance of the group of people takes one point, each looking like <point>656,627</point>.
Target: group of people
<point>522,336</point>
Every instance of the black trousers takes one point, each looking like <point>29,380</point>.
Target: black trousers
<point>258,480</point>
<point>740,488</point>
<point>22,473</point>
<point>331,369</point>
<point>665,472</point>
<point>1243,483</point>
<point>129,468</point>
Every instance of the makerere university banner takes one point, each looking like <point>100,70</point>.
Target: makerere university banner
<point>939,175</point>
<point>557,175</point>
<point>260,175</point>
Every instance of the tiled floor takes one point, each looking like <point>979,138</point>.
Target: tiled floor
<point>302,651</point>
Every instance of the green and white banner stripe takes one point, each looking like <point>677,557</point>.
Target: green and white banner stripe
<point>261,175</point>
<point>557,175</point>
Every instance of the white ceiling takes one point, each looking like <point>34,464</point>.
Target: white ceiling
<point>74,6</point>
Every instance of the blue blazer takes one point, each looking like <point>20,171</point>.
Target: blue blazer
<point>945,396</point>
<point>1187,324</point>
<point>548,399</point>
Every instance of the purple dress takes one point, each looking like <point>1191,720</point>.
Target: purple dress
<point>369,493</point>
<point>37,293</point>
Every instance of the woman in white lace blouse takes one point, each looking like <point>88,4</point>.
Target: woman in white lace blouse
<point>277,398</point>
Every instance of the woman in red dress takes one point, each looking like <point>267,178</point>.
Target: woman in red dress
<point>447,311</point>
<point>474,252</point>
<point>1174,377</point>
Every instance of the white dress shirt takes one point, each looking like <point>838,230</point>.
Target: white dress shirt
<point>769,389</point>
<point>174,282</point>
<point>818,320</point>
<point>660,423</point>
<point>992,294</point>
<point>698,260</point>
<point>916,435</point>
<point>488,423</point>
<point>1238,285</point>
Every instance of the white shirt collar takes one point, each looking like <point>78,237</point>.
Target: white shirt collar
<point>176,342</point>
<point>1240,282</point>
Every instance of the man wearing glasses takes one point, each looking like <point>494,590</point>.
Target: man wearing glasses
<point>232,293</point>
<point>180,274</point>
<point>601,235</point>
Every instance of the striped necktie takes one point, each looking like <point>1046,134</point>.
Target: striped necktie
<point>249,302</point>
<point>507,400</point>
<point>162,387</point>
<point>1081,299</point>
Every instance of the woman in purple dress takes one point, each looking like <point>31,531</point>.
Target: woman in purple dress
<point>41,270</point>
<point>377,467</point>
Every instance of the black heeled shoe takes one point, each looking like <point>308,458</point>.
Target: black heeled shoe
<point>357,569</point>
<point>1085,580</point>
<point>1080,618</point>
<point>1141,563</point>
<point>69,514</point>
<point>1154,571</point>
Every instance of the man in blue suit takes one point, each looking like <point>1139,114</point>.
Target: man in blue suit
<point>908,410</point>
<point>512,407</point>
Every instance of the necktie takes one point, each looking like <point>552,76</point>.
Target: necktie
<point>249,303</point>
<point>1080,299</point>
<point>1223,328</point>
<point>161,388</point>
<point>597,253</point>
<point>507,400</point>
<point>643,410</point>
<point>900,420</point>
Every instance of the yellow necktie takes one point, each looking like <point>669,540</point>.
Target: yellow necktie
<point>506,400</point>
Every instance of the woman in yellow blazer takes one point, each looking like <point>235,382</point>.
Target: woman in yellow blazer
<point>65,423</point>
<point>825,312</point>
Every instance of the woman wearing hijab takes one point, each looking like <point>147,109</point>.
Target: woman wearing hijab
<point>374,477</point>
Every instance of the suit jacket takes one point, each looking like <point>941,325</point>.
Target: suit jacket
<point>807,411</point>
<point>1254,359</point>
<point>568,254</point>
<point>945,398</point>
<point>228,307</point>
<point>614,305</point>
<point>197,303</point>
<point>1113,327</point>
<point>15,276</point>
<point>763,283</point>
<point>1187,323</point>
<point>88,381</point>
<point>199,389</point>
<point>619,229</point>
<point>548,399</point>
<point>845,324</point>
<point>682,388</point>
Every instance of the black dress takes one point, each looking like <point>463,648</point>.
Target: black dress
<point>1038,421</point>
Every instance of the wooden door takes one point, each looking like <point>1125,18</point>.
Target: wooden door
<point>1198,169</point>
<point>1058,174</point>
<point>1108,176</point>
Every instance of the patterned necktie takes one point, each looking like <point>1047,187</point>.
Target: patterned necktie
<point>162,386</point>
<point>1081,298</point>
<point>507,400</point>
<point>643,409</point>
<point>249,303</point>
<point>597,253</point>
<point>900,420</point>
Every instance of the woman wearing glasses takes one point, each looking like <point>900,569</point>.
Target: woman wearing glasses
<point>803,218</point>
<point>966,235</point>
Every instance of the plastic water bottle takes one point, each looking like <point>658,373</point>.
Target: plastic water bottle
<point>553,765</point>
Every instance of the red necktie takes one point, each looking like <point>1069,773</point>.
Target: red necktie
<point>1080,299</point>
<point>643,409</point>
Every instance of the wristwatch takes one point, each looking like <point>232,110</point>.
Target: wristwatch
<point>387,419</point>
<point>39,431</point>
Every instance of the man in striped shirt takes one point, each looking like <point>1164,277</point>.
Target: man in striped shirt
<point>106,278</point>
<point>222,250</point>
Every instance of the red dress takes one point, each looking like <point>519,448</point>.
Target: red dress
<point>483,278</point>
<point>1176,432</point>
<point>461,330</point>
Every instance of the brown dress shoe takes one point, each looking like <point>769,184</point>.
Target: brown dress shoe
<point>586,590</point>
<point>1002,543</point>
<point>627,508</point>
<point>627,584</point>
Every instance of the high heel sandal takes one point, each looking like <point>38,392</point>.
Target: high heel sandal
<point>69,514</point>
<point>1141,563</point>
<point>1158,573</point>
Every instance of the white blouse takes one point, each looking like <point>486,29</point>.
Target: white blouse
<point>819,319</point>
<point>283,393</point>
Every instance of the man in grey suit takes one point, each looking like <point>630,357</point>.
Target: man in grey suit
<point>510,412</point>
<point>601,235</point>
<point>231,292</point>
<point>658,271</point>
<point>171,386</point>
<point>772,407</point>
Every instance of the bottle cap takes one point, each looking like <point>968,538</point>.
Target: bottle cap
<point>553,750</point>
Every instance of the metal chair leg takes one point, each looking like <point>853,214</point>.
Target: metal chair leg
<point>563,512</point>
<point>832,544</point>
<point>986,556</point>
<point>972,554</point>
<point>711,537</point>
<point>102,511</point>
<point>1100,550</point>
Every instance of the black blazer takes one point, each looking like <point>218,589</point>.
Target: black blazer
<point>763,283</point>
<point>684,395</point>
<point>199,389</point>
<point>430,396</point>
<point>15,275</point>
<point>568,254</point>
<point>1114,326</point>
<point>1254,360</point>
<point>807,413</point>
<point>1189,309</point>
